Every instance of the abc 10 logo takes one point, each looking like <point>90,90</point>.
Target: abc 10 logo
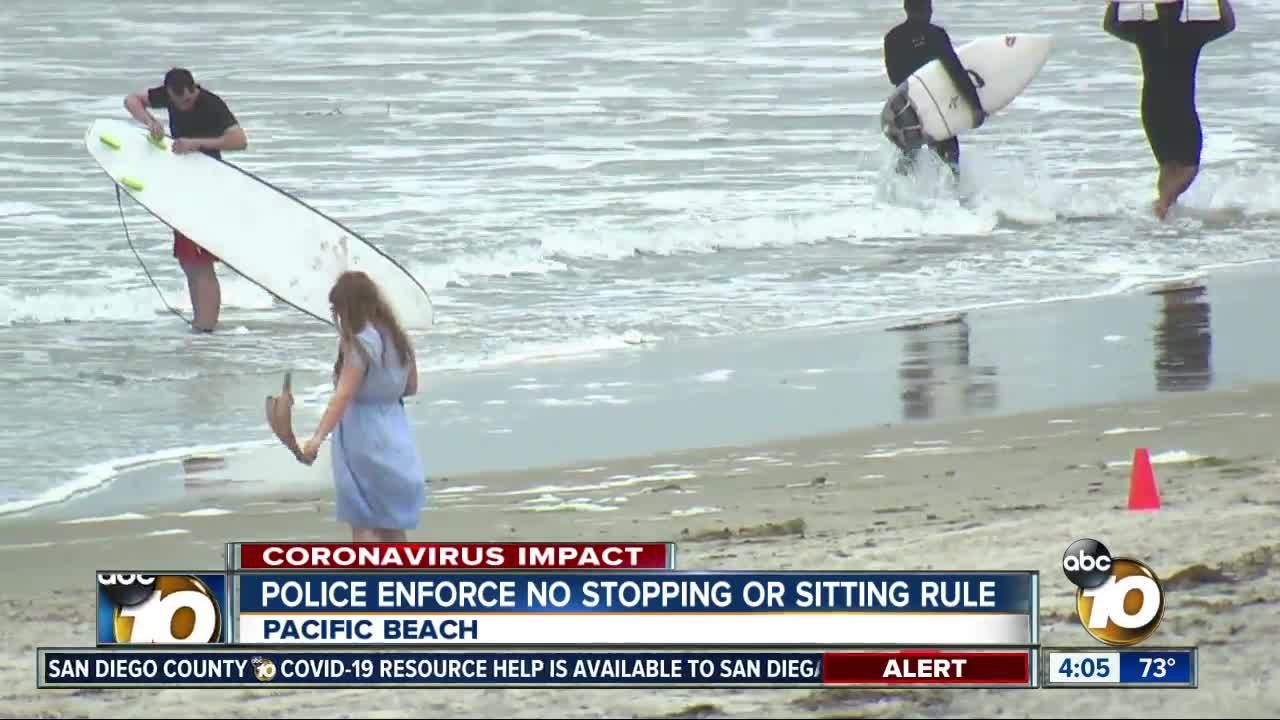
<point>1119,601</point>
<point>140,608</point>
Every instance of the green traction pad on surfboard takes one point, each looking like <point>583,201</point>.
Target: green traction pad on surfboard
<point>130,183</point>
<point>114,144</point>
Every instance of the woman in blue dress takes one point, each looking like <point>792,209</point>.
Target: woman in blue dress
<point>378,476</point>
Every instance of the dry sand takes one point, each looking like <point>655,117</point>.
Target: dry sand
<point>994,493</point>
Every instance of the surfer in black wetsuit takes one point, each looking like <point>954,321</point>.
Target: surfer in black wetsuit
<point>1170,51</point>
<point>912,45</point>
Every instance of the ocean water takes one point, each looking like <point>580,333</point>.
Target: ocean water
<point>570,178</point>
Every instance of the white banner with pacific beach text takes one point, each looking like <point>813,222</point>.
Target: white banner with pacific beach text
<point>550,628</point>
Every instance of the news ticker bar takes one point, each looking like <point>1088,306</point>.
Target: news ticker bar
<point>273,667</point>
<point>479,556</point>
<point>665,608</point>
<point>362,667</point>
<point>1127,667</point>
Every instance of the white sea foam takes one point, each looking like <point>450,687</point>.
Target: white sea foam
<point>26,546</point>
<point>694,511</point>
<point>585,401</point>
<point>106,518</point>
<point>204,512</point>
<point>1168,457</point>
<point>899,452</point>
<point>551,503</point>
<point>715,376</point>
<point>1129,430</point>
<point>612,482</point>
<point>96,475</point>
<point>458,489</point>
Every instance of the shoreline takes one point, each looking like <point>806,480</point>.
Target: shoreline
<point>990,493</point>
<point>682,395</point>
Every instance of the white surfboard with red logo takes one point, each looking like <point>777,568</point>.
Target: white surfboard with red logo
<point>1001,67</point>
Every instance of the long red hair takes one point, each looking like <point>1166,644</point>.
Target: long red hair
<point>357,302</point>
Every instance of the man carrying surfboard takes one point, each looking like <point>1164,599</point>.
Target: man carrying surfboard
<point>199,121</point>
<point>915,43</point>
<point>1170,52</point>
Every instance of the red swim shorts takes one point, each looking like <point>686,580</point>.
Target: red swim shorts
<point>188,252</point>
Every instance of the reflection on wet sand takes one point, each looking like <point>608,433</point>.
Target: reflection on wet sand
<point>1183,341</point>
<point>938,377</point>
<point>200,472</point>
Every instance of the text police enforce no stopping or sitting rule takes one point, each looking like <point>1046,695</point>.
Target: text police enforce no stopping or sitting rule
<point>670,592</point>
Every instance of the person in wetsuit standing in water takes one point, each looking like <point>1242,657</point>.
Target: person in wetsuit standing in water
<point>1170,51</point>
<point>917,42</point>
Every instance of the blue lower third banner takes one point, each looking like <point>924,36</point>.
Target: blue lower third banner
<point>1121,667</point>
<point>658,609</point>
<point>174,668</point>
<point>259,668</point>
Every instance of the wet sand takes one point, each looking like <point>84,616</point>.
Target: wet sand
<point>739,391</point>
<point>1005,492</point>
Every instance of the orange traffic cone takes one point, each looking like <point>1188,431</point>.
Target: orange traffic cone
<point>1143,493</point>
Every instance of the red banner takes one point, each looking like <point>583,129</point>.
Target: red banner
<point>927,667</point>
<point>455,556</point>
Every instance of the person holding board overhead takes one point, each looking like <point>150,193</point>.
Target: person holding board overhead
<point>1170,51</point>
<point>915,43</point>
<point>199,121</point>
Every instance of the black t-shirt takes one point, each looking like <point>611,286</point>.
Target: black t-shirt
<point>209,118</point>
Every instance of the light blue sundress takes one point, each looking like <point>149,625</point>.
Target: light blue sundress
<point>378,474</point>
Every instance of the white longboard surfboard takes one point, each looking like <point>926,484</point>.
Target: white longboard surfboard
<point>1145,10</point>
<point>1000,66</point>
<point>272,238</point>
